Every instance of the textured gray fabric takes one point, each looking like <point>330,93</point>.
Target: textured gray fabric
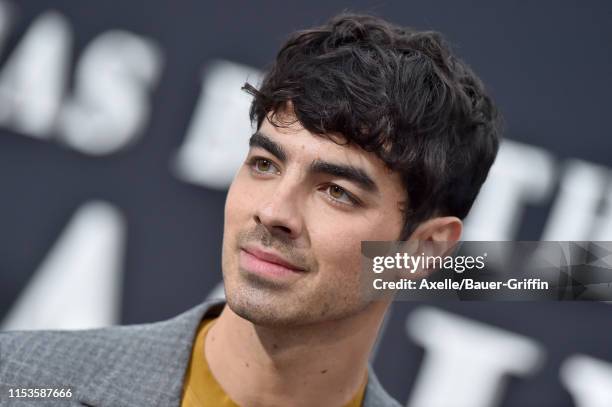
<point>135,365</point>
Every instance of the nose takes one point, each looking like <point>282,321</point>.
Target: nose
<point>281,213</point>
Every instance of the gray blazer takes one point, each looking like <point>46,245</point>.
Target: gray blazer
<point>132,366</point>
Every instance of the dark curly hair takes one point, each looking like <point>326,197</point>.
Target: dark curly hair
<point>396,92</point>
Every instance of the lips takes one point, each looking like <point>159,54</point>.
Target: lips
<point>272,258</point>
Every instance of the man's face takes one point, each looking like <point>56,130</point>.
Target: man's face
<point>295,216</point>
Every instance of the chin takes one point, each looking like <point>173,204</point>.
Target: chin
<point>260,309</point>
<point>263,309</point>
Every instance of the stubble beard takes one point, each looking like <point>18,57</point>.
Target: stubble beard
<point>265,303</point>
<point>268,303</point>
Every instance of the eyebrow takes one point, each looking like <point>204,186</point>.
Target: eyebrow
<point>262,141</point>
<point>348,172</point>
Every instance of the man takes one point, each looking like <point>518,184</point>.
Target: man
<point>365,131</point>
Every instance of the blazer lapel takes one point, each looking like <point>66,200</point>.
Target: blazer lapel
<point>375,394</point>
<point>144,365</point>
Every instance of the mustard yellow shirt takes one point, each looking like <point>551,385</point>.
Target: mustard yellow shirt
<point>201,388</point>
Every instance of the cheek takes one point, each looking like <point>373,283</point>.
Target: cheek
<point>238,198</point>
<point>337,249</point>
<point>336,244</point>
<point>388,226</point>
<point>236,213</point>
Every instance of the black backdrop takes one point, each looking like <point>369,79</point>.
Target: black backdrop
<point>547,64</point>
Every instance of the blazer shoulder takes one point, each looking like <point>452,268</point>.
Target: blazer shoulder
<point>73,357</point>
<point>58,357</point>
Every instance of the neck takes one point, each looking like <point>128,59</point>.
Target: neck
<point>320,364</point>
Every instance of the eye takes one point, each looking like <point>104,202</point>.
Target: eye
<point>263,166</point>
<point>339,194</point>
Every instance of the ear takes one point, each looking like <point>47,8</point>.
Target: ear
<point>434,237</point>
<point>441,229</point>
